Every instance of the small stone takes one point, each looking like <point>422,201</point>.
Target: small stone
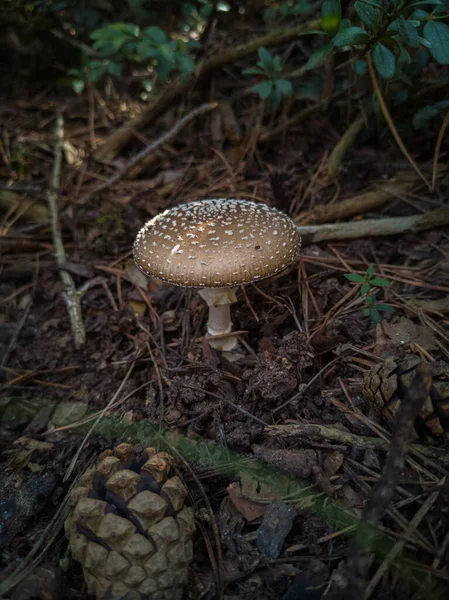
<point>277,522</point>
<point>371,460</point>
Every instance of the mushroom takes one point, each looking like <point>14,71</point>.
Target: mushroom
<point>217,245</point>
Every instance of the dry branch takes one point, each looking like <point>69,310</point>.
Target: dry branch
<point>122,136</point>
<point>312,234</point>
<point>397,185</point>
<point>148,150</point>
<point>329,433</point>
<point>70,295</point>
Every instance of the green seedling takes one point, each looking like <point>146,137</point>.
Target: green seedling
<point>368,283</point>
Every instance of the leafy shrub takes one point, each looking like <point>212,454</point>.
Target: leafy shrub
<point>119,42</point>
<point>400,36</point>
<point>274,88</point>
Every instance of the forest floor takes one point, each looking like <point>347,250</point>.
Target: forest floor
<point>297,419</point>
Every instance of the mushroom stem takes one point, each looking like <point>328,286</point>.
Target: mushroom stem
<point>219,301</point>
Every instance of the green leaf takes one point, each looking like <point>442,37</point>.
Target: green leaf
<point>252,71</point>
<point>369,272</point>
<point>385,307</point>
<point>365,288</point>
<point>361,67</point>
<point>354,277</point>
<point>421,15</point>
<point>404,56</point>
<point>277,63</point>
<point>437,34</point>
<point>114,68</point>
<point>78,86</point>
<point>366,312</point>
<point>319,56</point>
<point>379,282</point>
<point>424,42</point>
<point>420,2</point>
<point>284,87</point>
<point>186,64</point>
<point>422,117</point>
<point>156,34</point>
<point>263,89</point>
<point>145,49</point>
<point>331,16</point>
<point>375,3</point>
<point>375,316</point>
<point>350,36</point>
<point>406,30</point>
<point>384,61</point>
<point>370,16</point>
<point>266,58</point>
<point>370,300</point>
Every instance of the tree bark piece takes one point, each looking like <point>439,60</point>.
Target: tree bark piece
<point>122,136</point>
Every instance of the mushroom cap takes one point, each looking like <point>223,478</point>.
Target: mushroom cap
<point>216,243</point>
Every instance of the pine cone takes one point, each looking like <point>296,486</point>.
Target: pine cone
<point>130,529</point>
<point>386,384</point>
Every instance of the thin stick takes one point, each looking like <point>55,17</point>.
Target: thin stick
<point>100,416</point>
<point>203,108</point>
<point>389,121</point>
<point>399,545</point>
<point>69,294</point>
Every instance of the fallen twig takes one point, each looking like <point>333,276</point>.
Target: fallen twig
<point>312,234</point>
<point>329,433</point>
<point>360,552</point>
<point>399,545</point>
<point>70,295</point>
<point>399,184</point>
<point>117,140</point>
<point>153,147</point>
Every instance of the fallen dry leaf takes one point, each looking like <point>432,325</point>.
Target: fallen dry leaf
<point>399,333</point>
<point>249,509</point>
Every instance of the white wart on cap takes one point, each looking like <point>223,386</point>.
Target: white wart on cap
<point>216,243</point>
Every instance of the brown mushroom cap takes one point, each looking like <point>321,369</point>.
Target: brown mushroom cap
<point>216,243</point>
